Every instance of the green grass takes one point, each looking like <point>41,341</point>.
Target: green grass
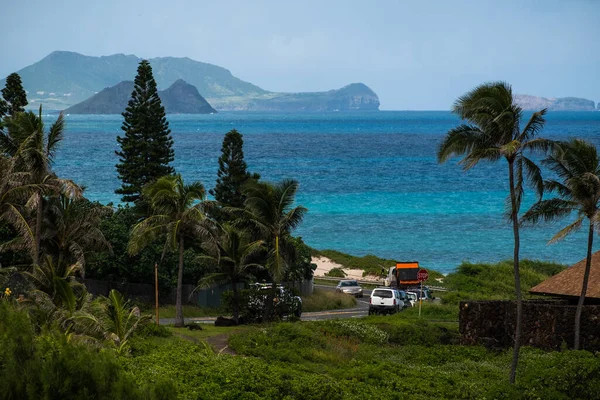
<point>379,357</point>
<point>189,311</point>
<point>207,331</point>
<point>324,299</point>
<point>495,281</point>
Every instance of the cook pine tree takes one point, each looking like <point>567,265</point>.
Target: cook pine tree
<point>232,173</point>
<point>147,145</point>
<point>14,97</point>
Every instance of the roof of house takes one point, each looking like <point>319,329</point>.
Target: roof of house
<point>569,282</point>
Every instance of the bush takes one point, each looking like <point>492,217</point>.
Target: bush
<point>52,365</point>
<point>152,330</point>
<point>336,273</point>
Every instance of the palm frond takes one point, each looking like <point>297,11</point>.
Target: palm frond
<point>567,230</point>
<point>549,210</point>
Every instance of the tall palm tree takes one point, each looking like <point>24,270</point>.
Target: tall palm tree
<point>577,164</point>
<point>74,230</point>
<point>177,212</point>
<point>268,207</point>
<point>492,132</point>
<point>269,210</point>
<point>14,191</point>
<point>34,149</point>
<point>234,254</point>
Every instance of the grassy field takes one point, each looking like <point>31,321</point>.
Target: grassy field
<point>189,311</point>
<point>378,357</point>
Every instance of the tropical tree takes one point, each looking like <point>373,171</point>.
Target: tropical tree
<point>34,151</point>
<point>15,97</point>
<point>73,230</point>
<point>492,132</point>
<point>111,318</point>
<point>14,190</point>
<point>577,165</point>
<point>232,173</point>
<point>235,255</point>
<point>269,210</point>
<point>177,211</point>
<point>146,147</point>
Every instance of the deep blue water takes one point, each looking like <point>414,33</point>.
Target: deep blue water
<point>370,180</point>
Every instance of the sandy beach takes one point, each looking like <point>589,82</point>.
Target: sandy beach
<point>325,264</point>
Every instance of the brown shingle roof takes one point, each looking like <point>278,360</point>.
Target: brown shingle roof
<point>570,281</point>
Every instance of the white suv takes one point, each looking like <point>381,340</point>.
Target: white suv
<point>385,301</point>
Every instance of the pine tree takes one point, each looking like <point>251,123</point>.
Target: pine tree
<point>146,148</point>
<point>232,172</point>
<point>14,95</point>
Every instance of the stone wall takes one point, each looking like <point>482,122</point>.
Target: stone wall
<point>547,324</point>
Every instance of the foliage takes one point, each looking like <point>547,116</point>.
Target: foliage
<point>269,209</point>
<point>232,173</point>
<point>495,281</point>
<point>49,366</point>
<point>112,319</point>
<point>146,147</point>
<point>321,300</point>
<point>178,213</point>
<point>15,97</point>
<point>336,273</point>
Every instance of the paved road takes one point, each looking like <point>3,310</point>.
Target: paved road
<point>361,310</point>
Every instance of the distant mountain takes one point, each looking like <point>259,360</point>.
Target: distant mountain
<point>528,102</point>
<point>179,98</point>
<point>64,78</point>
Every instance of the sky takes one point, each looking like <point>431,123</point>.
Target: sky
<point>416,55</point>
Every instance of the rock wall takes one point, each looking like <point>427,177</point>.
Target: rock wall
<point>547,324</point>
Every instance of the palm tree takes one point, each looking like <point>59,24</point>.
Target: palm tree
<point>269,209</point>
<point>110,318</point>
<point>177,212</point>
<point>234,255</point>
<point>34,150</point>
<point>577,164</point>
<point>493,132</point>
<point>73,230</point>
<point>14,190</point>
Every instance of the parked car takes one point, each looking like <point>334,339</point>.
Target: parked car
<point>385,301</point>
<point>349,286</point>
<point>412,298</point>
<point>404,298</point>
<point>426,293</point>
<point>285,303</point>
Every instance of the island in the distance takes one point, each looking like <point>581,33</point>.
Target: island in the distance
<point>179,98</point>
<point>533,103</point>
<point>64,79</point>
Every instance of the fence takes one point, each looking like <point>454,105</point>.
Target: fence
<point>547,324</point>
<point>206,297</point>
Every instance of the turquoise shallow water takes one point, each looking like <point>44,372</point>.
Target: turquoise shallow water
<point>370,180</point>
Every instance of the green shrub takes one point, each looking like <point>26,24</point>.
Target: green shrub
<point>336,273</point>
<point>354,329</point>
<point>53,365</point>
<point>152,330</point>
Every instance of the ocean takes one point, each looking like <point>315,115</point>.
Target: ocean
<point>370,181</point>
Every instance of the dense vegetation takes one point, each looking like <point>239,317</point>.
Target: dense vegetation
<point>495,281</point>
<point>376,357</point>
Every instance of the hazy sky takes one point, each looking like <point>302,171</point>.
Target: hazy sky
<point>414,54</point>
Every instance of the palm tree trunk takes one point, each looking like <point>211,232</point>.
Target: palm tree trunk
<point>586,277</point>
<point>178,305</point>
<point>38,229</point>
<point>517,274</point>
<point>236,302</point>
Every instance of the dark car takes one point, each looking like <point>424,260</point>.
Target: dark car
<point>285,303</point>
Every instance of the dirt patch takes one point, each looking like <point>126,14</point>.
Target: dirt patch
<point>220,344</point>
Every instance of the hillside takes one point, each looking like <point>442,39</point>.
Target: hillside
<point>179,98</point>
<point>63,79</point>
<point>534,103</point>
